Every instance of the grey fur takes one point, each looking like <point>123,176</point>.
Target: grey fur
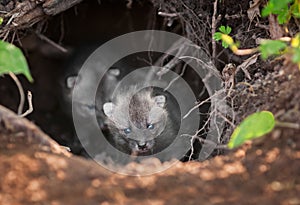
<point>146,118</point>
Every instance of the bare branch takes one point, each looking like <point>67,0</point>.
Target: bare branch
<point>213,30</point>
<point>21,92</point>
<point>59,47</point>
<point>201,103</point>
<point>30,108</point>
<point>165,14</point>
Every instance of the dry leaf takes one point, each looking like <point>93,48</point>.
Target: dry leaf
<point>254,11</point>
<point>246,64</point>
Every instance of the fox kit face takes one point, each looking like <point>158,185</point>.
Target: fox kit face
<point>135,121</point>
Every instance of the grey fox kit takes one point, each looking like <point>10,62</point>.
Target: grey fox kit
<point>139,121</point>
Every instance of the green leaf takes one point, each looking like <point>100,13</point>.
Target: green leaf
<point>222,29</point>
<point>217,36</point>
<point>278,7</point>
<point>267,10</point>
<point>295,9</point>
<point>225,30</point>
<point>271,47</point>
<point>296,55</point>
<point>254,126</point>
<point>296,14</point>
<point>283,17</point>
<point>1,21</point>
<point>224,44</point>
<point>13,60</point>
<point>280,4</point>
<point>228,29</point>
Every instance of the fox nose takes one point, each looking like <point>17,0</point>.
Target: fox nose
<point>142,145</point>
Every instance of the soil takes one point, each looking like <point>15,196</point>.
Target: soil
<point>36,170</point>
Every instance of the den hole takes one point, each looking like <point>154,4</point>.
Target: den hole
<point>80,30</point>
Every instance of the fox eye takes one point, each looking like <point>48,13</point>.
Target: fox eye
<point>150,126</point>
<point>127,130</point>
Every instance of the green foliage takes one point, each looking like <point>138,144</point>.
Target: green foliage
<point>284,9</point>
<point>295,49</point>
<point>254,126</point>
<point>1,21</point>
<point>295,8</point>
<point>224,32</point>
<point>217,36</point>
<point>289,47</point>
<point>296,56</point>
<point>13,60</point>
<point>271,47</point>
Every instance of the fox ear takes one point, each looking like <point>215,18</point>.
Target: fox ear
<point>160,100</point>
<point>108,109</point>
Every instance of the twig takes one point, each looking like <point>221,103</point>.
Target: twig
<point>226,119</point>
<point>203,141</point>
<point>196,107</point>
<point>176,46</point>
<point>13,37</point>
<point>200,103</point>
<point>160,13</point>
<point>42,37</point>
<point>6,35</point>
<point>177,77</point>
<point>201,62</point>
<point>193,137</point>
<point>192,147</point>
<point>288,125</point>
<point>30,107</point>
<point>21,91</point>
<point>213,30</point>
<point>166,68</point>
<point>243,52</point>
<point>22,97</point>
<point>12,18</point>
<point>210,142</point>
